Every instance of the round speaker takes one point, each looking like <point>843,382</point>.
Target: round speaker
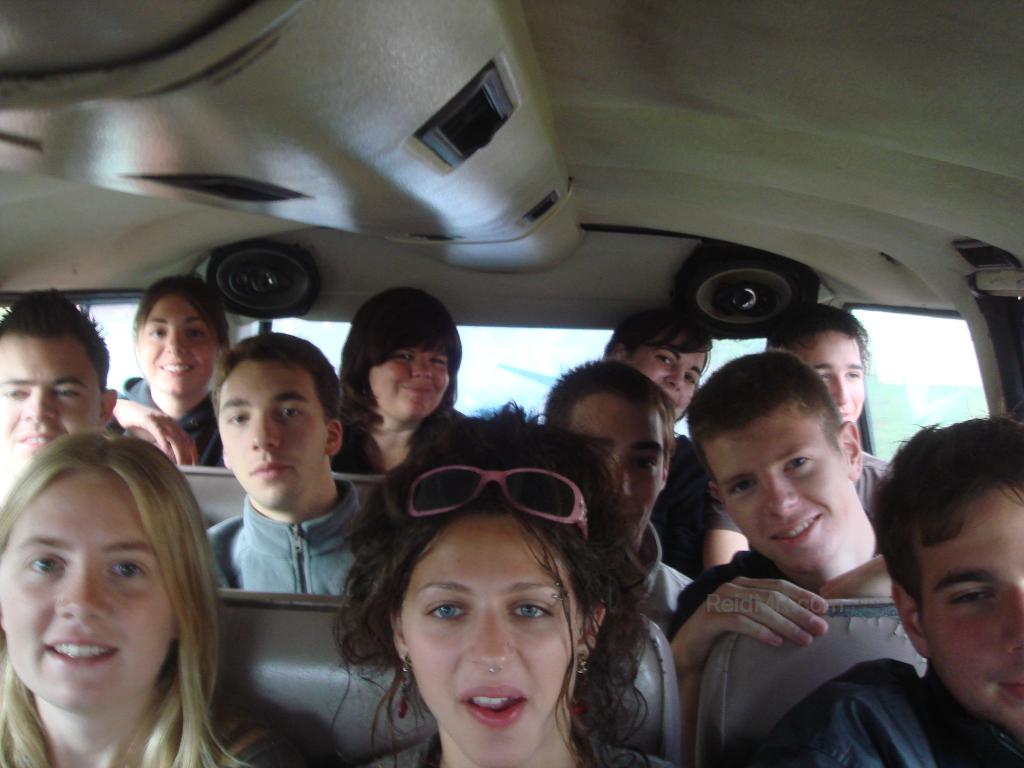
<point>739,292</point>
<point>264,279</point>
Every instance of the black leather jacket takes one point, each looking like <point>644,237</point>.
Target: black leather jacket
<point>881,713</point>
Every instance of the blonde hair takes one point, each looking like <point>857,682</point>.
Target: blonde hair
<point>179,730</point>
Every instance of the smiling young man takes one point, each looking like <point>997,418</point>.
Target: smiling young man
<point>835,344</point>
<point>53,378</point>
<point>950,521</point>
<point>783,464</point>
<point>277,400</point>
<point>630,417</point>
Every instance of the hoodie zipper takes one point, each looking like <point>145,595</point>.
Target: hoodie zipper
<point>296,535</point>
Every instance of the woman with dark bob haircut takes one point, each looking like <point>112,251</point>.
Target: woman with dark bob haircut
<point>490,580</point>
<point>398,378</point>
<point>180,330</point>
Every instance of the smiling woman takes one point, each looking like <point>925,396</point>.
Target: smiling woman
<point>399,371</point>
<point>180,330</point>
<point>108,655</point>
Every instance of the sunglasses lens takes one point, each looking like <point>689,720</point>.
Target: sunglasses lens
<point>542,493</point>
<point>445,489</point>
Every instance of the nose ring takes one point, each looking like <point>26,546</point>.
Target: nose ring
<point>495,669</point>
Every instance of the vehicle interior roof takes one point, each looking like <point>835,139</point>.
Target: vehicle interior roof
<point>858,138</point>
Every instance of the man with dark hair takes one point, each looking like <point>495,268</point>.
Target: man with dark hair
<point>277,402</point>
<point>672,351</point>
<point>835,344</point>
<point>625,413</point>
<point>950,522</point>
<point>783,464</point>
<point>53,377</point>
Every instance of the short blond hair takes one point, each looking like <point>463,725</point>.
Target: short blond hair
<point>181,727</point>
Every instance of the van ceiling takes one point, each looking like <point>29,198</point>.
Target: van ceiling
<point>860,138</point>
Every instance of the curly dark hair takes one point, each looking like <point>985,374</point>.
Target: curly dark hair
<point>600,571</point>
<point>394,319</point>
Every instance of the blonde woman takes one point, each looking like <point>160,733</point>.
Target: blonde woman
<point>108,654</point>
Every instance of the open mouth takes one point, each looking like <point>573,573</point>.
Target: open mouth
<point>496,711</point>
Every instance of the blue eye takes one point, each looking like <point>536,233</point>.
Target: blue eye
<point>127,570</point>
<point>447,611</point>
<point>44,565</point>
<point>529,611</point>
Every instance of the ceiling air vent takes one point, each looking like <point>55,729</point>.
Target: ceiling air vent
<point>227,187</point>
<point>432,238</point>
<point>469,121</point>
<point>545,205</point>
<point>980,255</point>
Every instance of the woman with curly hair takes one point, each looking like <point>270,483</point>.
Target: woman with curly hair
<point>398,378</point>
<point>491,582</point>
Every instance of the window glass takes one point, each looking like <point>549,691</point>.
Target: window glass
<point>923,371</point>
<point>722,352</point>
<point>115,321</point>
<point>498,364</point>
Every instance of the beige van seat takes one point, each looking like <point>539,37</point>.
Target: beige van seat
<point>280,663</point>
<point>748,686</point>
<point>220,495</point>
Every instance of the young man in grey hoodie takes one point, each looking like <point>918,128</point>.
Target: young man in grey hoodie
<point>277,402</point>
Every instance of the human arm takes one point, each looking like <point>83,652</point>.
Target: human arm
<point>723,538</point>
<point>721,544</point>
<point>156,427</point>
<point>772,611</point>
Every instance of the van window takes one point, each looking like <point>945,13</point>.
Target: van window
<point>923,371</point>
<point>499,364</point>
<point>923,368</point>
<point>115,321</point>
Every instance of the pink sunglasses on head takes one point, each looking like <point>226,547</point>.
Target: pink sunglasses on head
<point>537,492</point>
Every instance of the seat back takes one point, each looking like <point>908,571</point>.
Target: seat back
<point>748,686</point>
<point>281,663</point>
<point>220,495</point>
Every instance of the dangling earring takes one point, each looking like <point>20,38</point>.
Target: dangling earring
<point>579,704</point>
<point>581,664</point>
<point>403,698</point>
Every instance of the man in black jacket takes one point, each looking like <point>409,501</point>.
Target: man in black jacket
<point>950,523</point>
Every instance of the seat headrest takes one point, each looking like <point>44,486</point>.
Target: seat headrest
<point>279,658</point>
<point>220,495</point>
<point>748,686</point>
